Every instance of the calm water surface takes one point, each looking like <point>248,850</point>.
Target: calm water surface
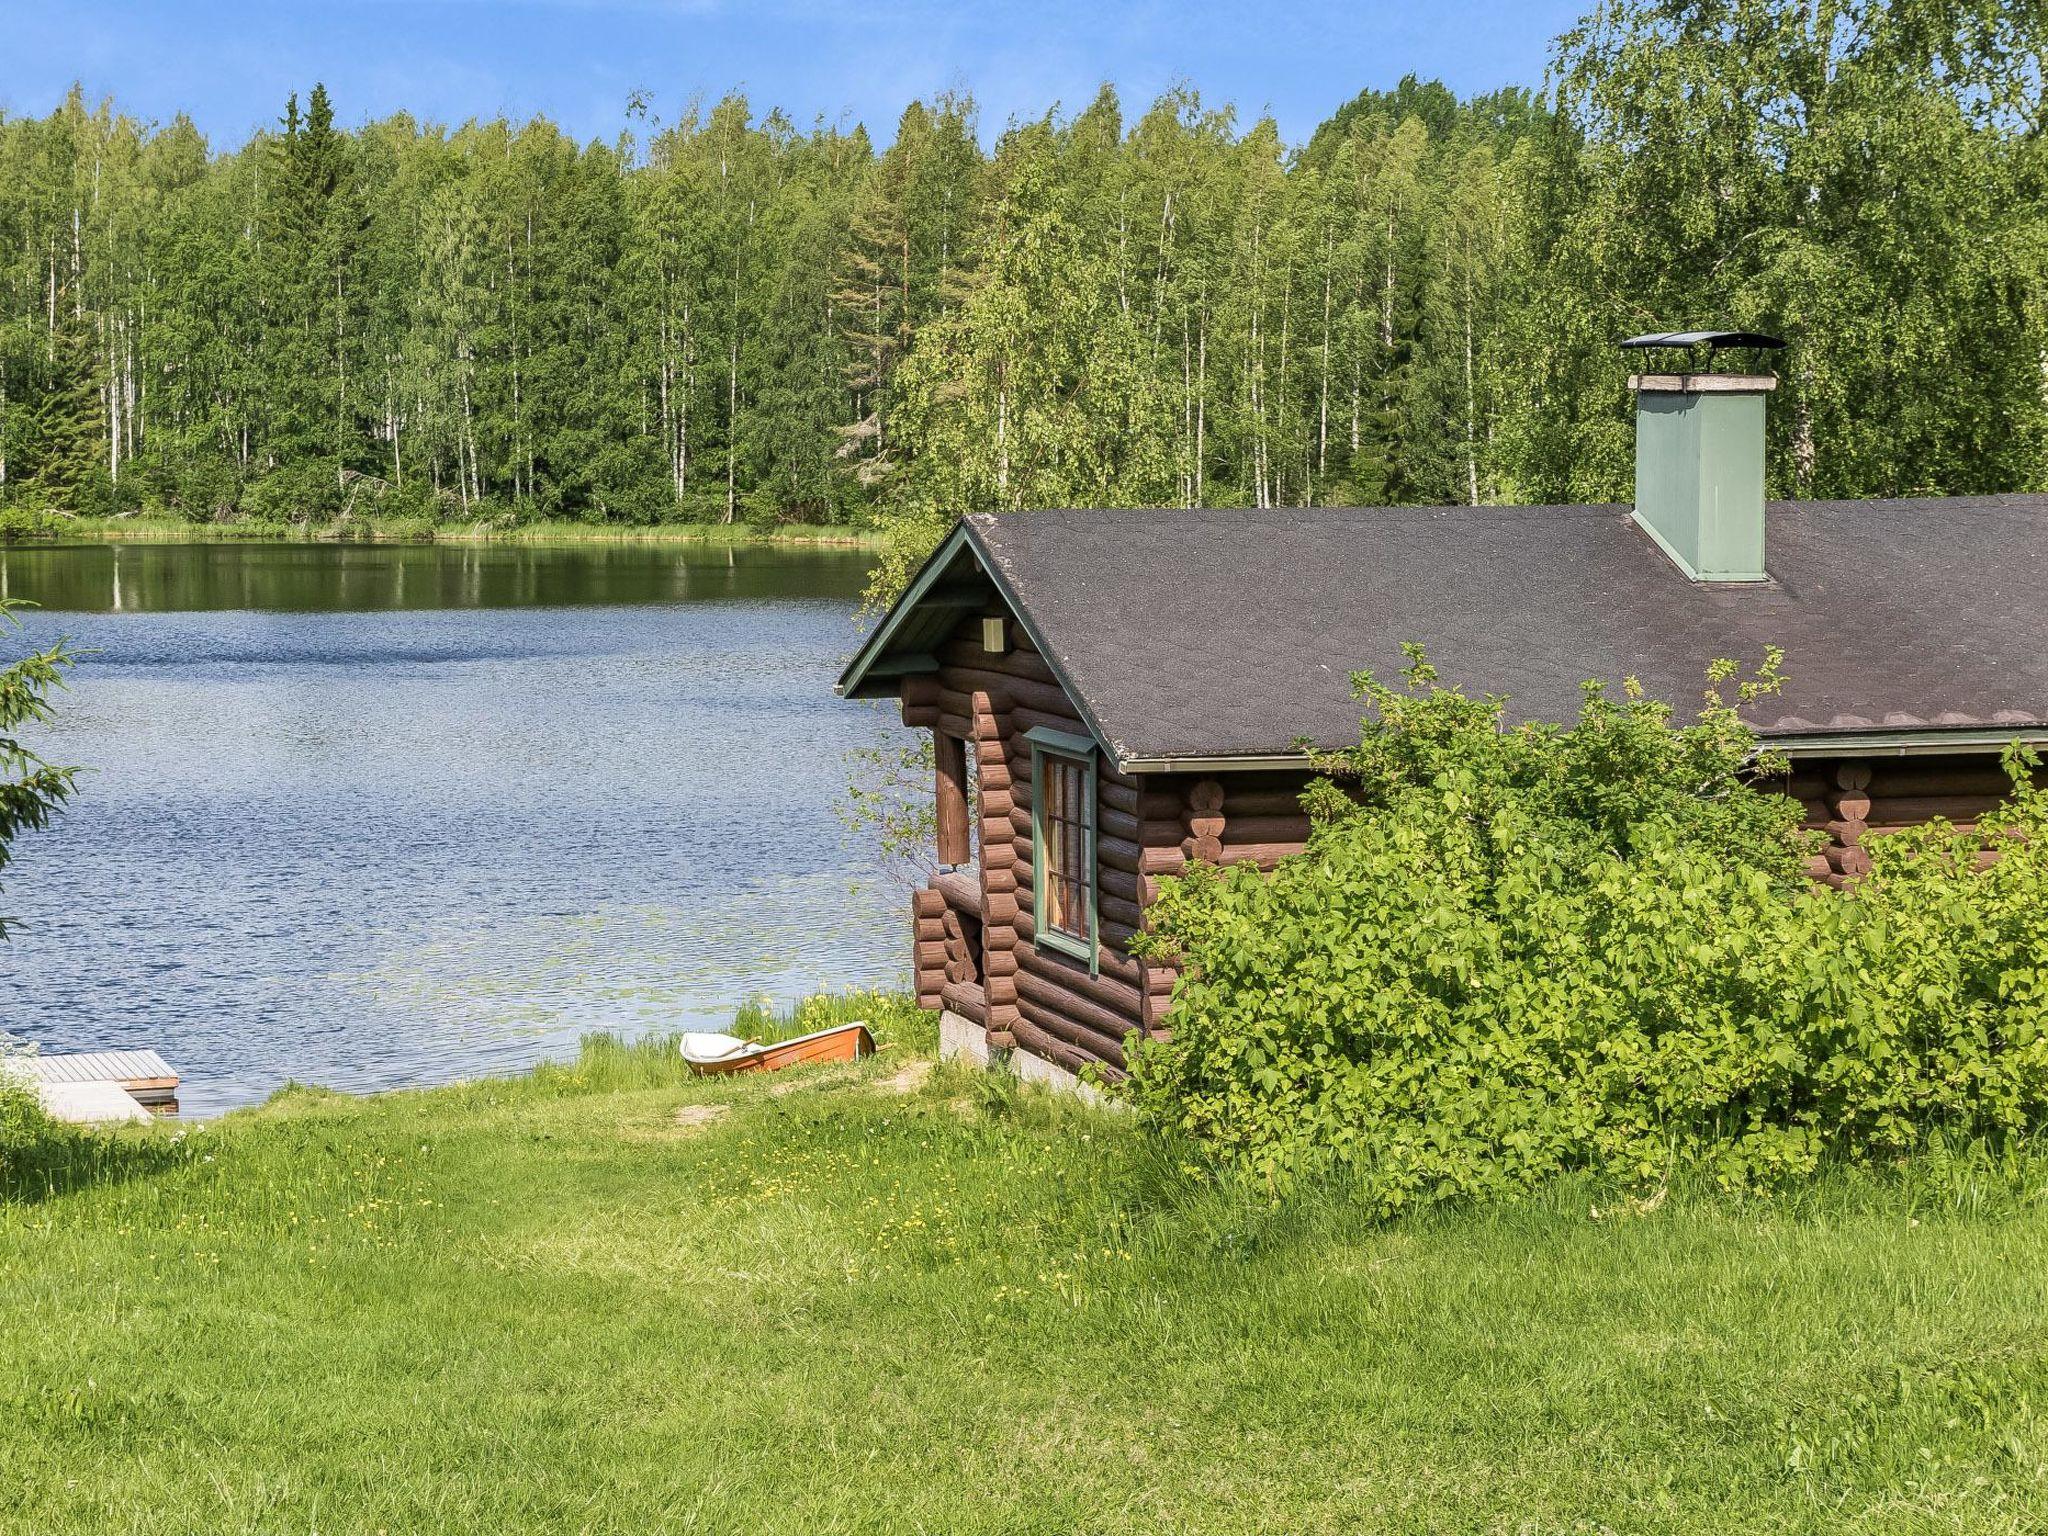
<point>383,815</point>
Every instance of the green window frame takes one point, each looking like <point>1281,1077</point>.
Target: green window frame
<point>1063,832</point>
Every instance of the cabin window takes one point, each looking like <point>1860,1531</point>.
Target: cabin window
<point>1063,842</point>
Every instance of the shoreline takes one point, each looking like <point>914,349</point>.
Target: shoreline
<point>149,530</point>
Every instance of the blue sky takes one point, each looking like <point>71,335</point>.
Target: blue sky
<point>230,65</point>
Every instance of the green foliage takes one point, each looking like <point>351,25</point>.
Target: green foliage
<point>21,521</point>
<point>888,805</point>
<point>31,790</point>
<point>25,1130</point>
<point>1511,954</point>
<point>723,319</point>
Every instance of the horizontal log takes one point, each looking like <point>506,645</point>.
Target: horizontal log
<point>1161,861</point>
<point>928,955</point>
<point>1071,1032</point>
<point>996,804</point>
<point>1118,909</point>
<point>953,724</point>
<point>1120,852</point>
<point>1000,989</point>
<point>1001,962</point>
<point>921,717</point>
<point>965,999</point>
<point>1049,697</point>
<point>1155,831</point>
<point>1116,937</point>
<point>1266,829</point>
<point>927,903</point>
<point>1001,1040</point>
<point>1849,805</point>
<point>1031,1037</point>
<point>1267,803</point>
<point>1121,883</point>
<point>929,930</point>
<point>1024,718</point>
<point>1146,803</point>
<point>1103,1005</point>
<point>1011,663</point>
<point>1846,832</point>
<point>1852,862</point>
<point>1000,879</point>
<point>1265,855</point>
<point>1913,783</point>
<point>1906,810</point>
<point>959,890</point>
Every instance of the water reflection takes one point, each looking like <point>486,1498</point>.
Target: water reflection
<point>338,578</point>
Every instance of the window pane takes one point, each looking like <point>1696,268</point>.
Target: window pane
<point>1063,839</point>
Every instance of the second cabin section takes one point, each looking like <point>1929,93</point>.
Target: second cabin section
<point>1113,693</point>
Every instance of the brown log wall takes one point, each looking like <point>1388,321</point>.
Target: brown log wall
<point>1857,800</point>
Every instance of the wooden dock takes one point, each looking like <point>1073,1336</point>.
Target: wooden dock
<point>103,1085</point>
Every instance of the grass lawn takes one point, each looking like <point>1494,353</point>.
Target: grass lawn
<point>611,1298</point>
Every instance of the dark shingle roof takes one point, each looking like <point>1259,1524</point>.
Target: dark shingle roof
<point>1221,633</point>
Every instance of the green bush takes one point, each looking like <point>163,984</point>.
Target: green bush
<point>1508,954</point>
<point>24,1128</point>
<point>18,520</point>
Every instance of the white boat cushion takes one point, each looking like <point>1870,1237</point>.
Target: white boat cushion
<point>715,1047</point>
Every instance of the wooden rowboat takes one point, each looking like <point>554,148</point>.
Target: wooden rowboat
<point>709,1054</point>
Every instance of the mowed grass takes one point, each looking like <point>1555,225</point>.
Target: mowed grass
<point>613,1298</point>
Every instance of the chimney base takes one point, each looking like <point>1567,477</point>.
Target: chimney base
<point>1700,470</point>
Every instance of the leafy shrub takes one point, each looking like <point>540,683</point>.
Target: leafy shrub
<point>1508,954</point>
<point>24,1127</point>
<point>18,520</point>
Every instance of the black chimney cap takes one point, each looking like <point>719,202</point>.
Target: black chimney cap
<point>1705,339</point>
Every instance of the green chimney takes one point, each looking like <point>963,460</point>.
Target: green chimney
<point>1700,470</point>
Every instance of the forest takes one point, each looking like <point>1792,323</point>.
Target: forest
<point>729,318</point>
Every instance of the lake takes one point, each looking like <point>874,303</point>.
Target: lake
<point>377,815</point>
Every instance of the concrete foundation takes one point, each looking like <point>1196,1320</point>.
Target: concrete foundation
<point>961,1037</point>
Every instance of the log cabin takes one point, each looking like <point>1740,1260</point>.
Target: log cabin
<point>1114,693</point>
